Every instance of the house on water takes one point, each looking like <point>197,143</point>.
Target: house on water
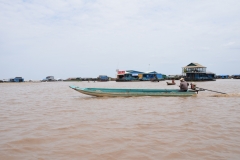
<point>197,72</point>
<point>128,75</point>
<point>236,76</point>
<point>49,78</point>
<point>132,75</point>
<point>152,76</point>
<point>176,77</point>
<point>223,76</point>
<point>16,79</point>
<point>103,78</point>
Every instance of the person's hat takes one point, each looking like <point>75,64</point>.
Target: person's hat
<point>182,79</point>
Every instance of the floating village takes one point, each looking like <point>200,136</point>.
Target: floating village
<point>191,72</point>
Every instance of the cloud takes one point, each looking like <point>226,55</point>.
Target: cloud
<point>107,32</point>
<point>229,44</point>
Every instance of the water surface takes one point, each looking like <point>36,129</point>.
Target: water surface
<point>51,121</point>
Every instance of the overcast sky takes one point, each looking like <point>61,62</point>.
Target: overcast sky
<point>87,38</point>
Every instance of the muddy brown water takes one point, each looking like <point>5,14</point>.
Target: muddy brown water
<point>51,121</point>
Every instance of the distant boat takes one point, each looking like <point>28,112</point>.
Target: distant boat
<point>172,83</point>
<point>115,92</point>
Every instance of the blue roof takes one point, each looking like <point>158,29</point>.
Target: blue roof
<point>132,71</point>
<point>153,72</point>
<point>138,72</point>
<point>103,76</point>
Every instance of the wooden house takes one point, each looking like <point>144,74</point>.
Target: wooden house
<point>16,79</point>
<point>132,75</point>
<point>223,76</point>
<point>197,72</point>
<point>236,76</point>
<point>103,78</point>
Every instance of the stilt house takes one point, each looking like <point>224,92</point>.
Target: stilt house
<point>197,72</point>
<point>16,79</point>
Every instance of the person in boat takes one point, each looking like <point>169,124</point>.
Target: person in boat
<point>183,85</point>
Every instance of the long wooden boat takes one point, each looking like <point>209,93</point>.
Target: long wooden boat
<point>115,92</point>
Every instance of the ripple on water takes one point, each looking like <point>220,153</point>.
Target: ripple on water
<point>52,121</point>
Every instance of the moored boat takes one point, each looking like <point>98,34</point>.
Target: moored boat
<point>168,83</point>
<point>115,92</point>
<point>173,82</point>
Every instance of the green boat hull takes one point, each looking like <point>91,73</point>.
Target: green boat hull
<point>114,92</point>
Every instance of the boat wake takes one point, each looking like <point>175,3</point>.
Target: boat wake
<point>226,95</point>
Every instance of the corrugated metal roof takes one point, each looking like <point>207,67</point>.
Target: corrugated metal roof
<point>223,75</point>
<point>194,65</point>
<point>210,73</point>
<point>152,72</point>
<point>138,72</point>
<point>133,71</point>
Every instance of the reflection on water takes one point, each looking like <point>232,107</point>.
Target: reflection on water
<point>227,95</point>
<point>52,121</point>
